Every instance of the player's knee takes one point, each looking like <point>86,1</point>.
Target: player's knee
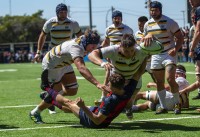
<point>70,89</point>
<point>171,81</point>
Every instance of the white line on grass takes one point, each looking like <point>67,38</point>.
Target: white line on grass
<point>20,129</point>
<point>159,119</point>
<point>20,106</point>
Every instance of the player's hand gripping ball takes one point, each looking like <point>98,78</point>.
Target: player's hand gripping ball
<point>155,48</point>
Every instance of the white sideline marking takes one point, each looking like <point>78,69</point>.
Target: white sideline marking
<point>20,129</point>
<point>8,70</point>
<point>20,106</point>
<point>159,119</point>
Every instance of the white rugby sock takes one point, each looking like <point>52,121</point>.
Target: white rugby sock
<point>35,110</point>
<point>161,95</point>
<point>176,98</point>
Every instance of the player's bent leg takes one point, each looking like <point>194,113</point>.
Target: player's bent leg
<point>170,76</point>
<point>69,84</point>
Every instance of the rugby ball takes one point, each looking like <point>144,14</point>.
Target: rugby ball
<point>155,48</point>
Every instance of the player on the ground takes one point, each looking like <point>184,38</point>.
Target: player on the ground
<point>151,95</point>
<point>101,116</point>
<point>58,72</point>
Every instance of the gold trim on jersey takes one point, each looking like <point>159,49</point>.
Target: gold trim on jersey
<point>120,64</point>
<point>53,52</point>
<point>157,23</point>
<point>47,56</point>
<point>115,36</point>
<point>64,31</point>
<point>58,48</point>
<point>157,31</point>
<point>62,64</point>
<point>57,24</point>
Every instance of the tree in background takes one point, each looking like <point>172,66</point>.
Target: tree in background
<point>21,28</point>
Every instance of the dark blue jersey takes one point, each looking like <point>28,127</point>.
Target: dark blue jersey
<point>111,106</point>
<point>197,14</point>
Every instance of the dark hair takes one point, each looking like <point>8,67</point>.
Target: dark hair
<point>156,4</point>
<point>181,67</point>
<point>89,37</point>
<point>116,13</point>
<point>117,81</point>
<point>127,40</point>
<point>142,19</point>
<point>60,7</point>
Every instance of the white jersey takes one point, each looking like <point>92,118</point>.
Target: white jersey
<point>115,33</point>
<point>61,31</point>
<point>182,83</point>
<point>62,55</point>
<point>169,98</point>
<point>164,29</point>
<point>138,36</point>
<point>122,65</point>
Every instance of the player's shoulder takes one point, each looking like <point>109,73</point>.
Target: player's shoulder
<point>168,19</point>
<point>181,80</point>
<point>68,19</point>
<point>112,26</point>
<point>52,19</point>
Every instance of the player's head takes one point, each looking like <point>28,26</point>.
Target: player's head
<point>155,9</point>
<point>61,11</point>
<point>90,40</point>
<point>141,21</point>
<point>117,17</point>
<point>194,3</point>
<point>193,16</point>
<point>117,81</point>
<point>127,46</point>
<point>180,71</point>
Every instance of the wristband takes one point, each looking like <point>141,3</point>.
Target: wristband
<point>103,64</point>
<point>38,52</point>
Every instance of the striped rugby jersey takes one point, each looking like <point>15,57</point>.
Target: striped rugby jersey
<point>138,36</point>
<point>61,31</point>
<point>115,33</point>
<point>164,29</point>
<point>62,55</point>
<point>122,65</point>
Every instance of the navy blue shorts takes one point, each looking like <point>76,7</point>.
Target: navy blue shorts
<point>87,122</point>
<point>197,53</point>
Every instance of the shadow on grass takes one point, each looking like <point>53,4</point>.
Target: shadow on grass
<point>63,122</point>
<point>7,127</point>
<point>151,127</point>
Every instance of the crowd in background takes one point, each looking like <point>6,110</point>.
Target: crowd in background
<point>184,51</point>
<point>22,56</point>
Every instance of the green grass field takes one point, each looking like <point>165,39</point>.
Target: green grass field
<point>19,94</point>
